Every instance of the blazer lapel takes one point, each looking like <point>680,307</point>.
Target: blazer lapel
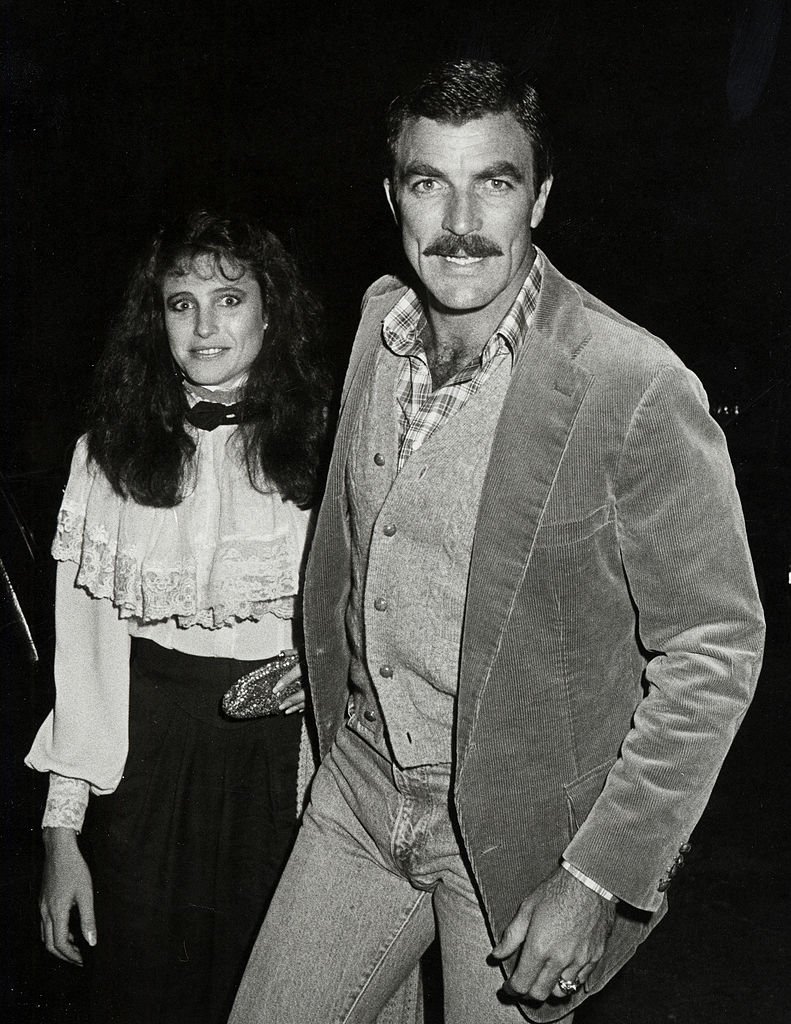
<point>538,415</point>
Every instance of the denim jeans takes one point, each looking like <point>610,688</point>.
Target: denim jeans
<point>375,872</point>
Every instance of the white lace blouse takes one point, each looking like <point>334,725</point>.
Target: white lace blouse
<point>217,575</point>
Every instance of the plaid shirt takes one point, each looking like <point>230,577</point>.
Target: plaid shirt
<point>422,410</point>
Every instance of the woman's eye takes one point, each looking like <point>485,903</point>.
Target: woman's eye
<point>230,300</point>
<point>179,305</point>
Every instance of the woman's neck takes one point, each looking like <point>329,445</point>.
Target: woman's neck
<point>227,392</point>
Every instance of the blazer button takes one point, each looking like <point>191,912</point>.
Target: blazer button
<point>679,861</point>
<point>389,530</point>
<point>369,715</point>
<point>380,604</point>
<point>663,885</point>
<point>673,870</point>
<point>685,848</point>
<point>386,671</point>
<point>379,459</point>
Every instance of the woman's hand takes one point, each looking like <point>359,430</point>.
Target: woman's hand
<point>66,886</point>
<point>294,701</point>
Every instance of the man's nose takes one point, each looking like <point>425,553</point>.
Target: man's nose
<point>205,322</point>
<point>462,214</point>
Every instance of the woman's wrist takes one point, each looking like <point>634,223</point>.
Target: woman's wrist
<point>67,802</point>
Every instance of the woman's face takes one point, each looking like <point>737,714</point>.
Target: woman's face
<point>215,324</point>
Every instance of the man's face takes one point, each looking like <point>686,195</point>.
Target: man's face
<point>464,198</point>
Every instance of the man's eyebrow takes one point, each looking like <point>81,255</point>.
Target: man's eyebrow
<point>501,169</point>
<point>418,169</point>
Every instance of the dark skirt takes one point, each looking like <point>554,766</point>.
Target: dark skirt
<point>186,853</point>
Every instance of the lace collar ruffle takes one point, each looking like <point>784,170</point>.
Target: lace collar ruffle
<point>225,553</point>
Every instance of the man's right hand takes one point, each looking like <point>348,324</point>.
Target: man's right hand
<point>66,885</point>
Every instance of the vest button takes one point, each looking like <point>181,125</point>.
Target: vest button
<point>389,530</point>
<point>380,604</point>
<point>379,459</point>
<point>386,671</point>
<point>369,716</point>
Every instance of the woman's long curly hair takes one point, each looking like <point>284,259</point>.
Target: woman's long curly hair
<point>136,432</point>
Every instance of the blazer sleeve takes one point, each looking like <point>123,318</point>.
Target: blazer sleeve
<point>687,563</point>
<point>85,736</point>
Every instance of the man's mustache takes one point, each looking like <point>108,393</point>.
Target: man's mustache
<point>475,246</point>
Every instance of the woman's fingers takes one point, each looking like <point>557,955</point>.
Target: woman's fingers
<point>57,937</point>
<point>293,702</point>
<point>294,675</point>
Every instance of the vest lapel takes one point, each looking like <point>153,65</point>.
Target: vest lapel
<point>543,400</point>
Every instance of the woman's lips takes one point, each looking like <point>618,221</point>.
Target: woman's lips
<point>207,353</point>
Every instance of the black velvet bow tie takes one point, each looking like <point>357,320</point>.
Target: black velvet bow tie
<point>208,415</point>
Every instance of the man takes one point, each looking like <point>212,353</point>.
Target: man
<point>531,619</point>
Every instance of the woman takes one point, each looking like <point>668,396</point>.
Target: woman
<point>179,546</point>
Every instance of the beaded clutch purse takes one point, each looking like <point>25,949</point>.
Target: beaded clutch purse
<point>251,696</point>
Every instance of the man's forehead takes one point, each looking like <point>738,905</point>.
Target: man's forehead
<point>490,138</point>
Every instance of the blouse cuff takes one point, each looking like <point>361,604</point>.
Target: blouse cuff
<point>67,802</point>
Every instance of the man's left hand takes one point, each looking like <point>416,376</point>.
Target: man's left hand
<point>562,928</point>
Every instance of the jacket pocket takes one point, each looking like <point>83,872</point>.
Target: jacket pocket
<point>582,793</point>
<point>561,534</point>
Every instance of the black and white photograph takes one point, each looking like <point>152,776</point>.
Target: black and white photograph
<point>395,512</point>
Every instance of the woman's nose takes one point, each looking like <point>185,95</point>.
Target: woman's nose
<point>205,322</point>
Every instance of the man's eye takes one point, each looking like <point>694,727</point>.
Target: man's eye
<point>499,184</point>
<point>426,185</point>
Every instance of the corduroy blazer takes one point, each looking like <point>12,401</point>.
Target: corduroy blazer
<point>613,633</point>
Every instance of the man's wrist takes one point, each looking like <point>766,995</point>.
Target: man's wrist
<point>589,882</point>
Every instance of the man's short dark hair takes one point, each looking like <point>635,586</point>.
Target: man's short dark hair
<point>459,91</point>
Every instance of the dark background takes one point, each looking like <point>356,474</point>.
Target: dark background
<point>671,202</point>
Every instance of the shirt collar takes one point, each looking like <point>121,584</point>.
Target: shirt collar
<point>402,325</point>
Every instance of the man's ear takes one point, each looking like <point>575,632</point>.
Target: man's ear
<point>540,204</point>
<point>391,199</point>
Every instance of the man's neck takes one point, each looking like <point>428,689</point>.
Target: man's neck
<point>449,354</point>
<point>452,340</point>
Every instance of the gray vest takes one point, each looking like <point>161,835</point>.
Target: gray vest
<point>412,534</point>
